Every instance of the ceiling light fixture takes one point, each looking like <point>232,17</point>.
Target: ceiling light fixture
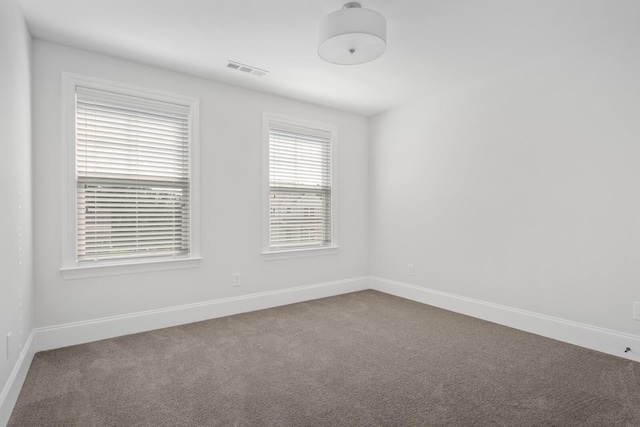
<point>352,35</point>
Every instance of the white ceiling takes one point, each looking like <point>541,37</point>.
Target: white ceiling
<point>433,45</point>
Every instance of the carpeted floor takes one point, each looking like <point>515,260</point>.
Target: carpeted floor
<point>361,359</point>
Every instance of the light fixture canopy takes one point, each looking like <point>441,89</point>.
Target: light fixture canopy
<point>352,35</point>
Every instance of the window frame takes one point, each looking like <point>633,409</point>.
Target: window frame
<point>267,252</point>
<point>71,269</point>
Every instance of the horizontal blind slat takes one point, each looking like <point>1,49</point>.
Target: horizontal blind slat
<point>132,177</point>
<point>300,187</point>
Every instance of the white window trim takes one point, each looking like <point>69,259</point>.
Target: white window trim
<point>70,268</point>
<point>267,253</point>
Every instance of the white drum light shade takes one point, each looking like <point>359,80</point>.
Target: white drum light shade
<point>353,35</point>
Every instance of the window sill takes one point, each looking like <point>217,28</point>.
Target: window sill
<point>299,253</point>
<point>99,270</point>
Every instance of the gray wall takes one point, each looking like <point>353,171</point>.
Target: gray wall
<point>230,192</point>
<point>520,190</point>
<point>16,249</point>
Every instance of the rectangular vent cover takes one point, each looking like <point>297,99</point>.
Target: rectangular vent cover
<point>246,68</point>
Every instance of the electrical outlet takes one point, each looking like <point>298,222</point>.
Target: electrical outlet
<point>236,279</point>
<point>410,270</point>
<point>636,310</point>
<point>8,345</point>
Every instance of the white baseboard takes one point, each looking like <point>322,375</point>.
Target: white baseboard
<point>11,390</point>
<point>98,329</point>
<point>592,337</point>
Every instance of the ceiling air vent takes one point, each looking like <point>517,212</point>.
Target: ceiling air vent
<point>246,68</point>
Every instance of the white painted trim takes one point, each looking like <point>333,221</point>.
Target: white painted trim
<point>99,270</point>
<point>98,329</point>
<point>70,268</point>
<point>267,118</point>
<point>580,334</point>
<point>298,253</point>
<point>12,388</point>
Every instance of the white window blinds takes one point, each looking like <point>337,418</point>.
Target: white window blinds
<point>299,187</point>
<point>132,177</point>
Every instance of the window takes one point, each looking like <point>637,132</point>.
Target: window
<point>133,176</point>
<point>300,195</point>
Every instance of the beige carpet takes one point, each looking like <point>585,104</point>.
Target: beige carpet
<point>362,359</point>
